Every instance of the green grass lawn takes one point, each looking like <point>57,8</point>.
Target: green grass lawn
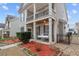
<point>7,38</point>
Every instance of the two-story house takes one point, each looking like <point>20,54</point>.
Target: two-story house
<point>2,25</point>
<point>44,20</point>
<point>15,26</point>
<point>12,25</point>
<point>9,26</point>
<point>77,27</point>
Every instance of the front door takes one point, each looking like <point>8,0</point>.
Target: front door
<point>30,30</point>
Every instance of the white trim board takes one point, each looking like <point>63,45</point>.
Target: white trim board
<point>9,46</point>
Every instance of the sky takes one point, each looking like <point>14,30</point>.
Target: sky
<point>8,8</point>
<point>12,9</point>
<point>73,14</point>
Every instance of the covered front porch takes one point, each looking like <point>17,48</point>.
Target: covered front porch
<point>43,30</point>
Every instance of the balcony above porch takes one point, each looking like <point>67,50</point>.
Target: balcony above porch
<point>42,12</point>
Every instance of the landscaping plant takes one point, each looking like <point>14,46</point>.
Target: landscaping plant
<point>24,36</point>
<point>34,48</point>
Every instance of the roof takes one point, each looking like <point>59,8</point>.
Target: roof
<point>21,5</point>
<point>9,18</point>
<point>2,25</point>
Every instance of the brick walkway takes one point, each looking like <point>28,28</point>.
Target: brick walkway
<point>69,50</point>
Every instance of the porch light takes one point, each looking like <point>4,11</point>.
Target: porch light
<point>44,21</point>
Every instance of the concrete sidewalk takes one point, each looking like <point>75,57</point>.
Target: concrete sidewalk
<point>13,51</point>
<point>10,45</point>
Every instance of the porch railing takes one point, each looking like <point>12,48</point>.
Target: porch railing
<point>30,18</point>
<point>42,14</point>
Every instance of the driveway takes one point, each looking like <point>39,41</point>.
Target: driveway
<point>68,50</point>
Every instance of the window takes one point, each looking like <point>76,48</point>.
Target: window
<point>22,16</point>
<point>45,29</point>
<point>38,30</point>
<point>22,29</point>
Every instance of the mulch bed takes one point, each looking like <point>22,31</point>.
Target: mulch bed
<point>40,49</point>
<point>10,41</point>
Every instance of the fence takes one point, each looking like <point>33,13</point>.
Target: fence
<point>5,35</point>
<point>75,39</point>
<point>64,39</point>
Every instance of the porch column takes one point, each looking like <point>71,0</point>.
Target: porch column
<point>50,22</point>
<point>55,31</point>
<point>34,24</point>
<point>25,26</point>
<point>50,30</point>
<point>34,30</point>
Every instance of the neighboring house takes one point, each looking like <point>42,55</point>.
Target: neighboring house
<point>12,25</point>
<point>8,19</point>
<point>72,30</point>
<point>44,20</point>
<point>77,27</point>
<point>15,26</point>
<point>1,29</point>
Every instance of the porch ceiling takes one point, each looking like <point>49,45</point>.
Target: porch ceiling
<point>42,21</point>
<point>39,6</point>
<point>30,9</point>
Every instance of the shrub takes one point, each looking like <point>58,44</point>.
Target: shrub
<point>24,36</point>
<point>0,38</point>
<point>18,34</point>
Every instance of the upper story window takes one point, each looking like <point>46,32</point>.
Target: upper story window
<point>7,25</point>
<point>22,17</point>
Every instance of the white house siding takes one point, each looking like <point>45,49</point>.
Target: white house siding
<point>0,32</point>
<point>61,16</point>
<point>15,27</point>
<point>61,11</point>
